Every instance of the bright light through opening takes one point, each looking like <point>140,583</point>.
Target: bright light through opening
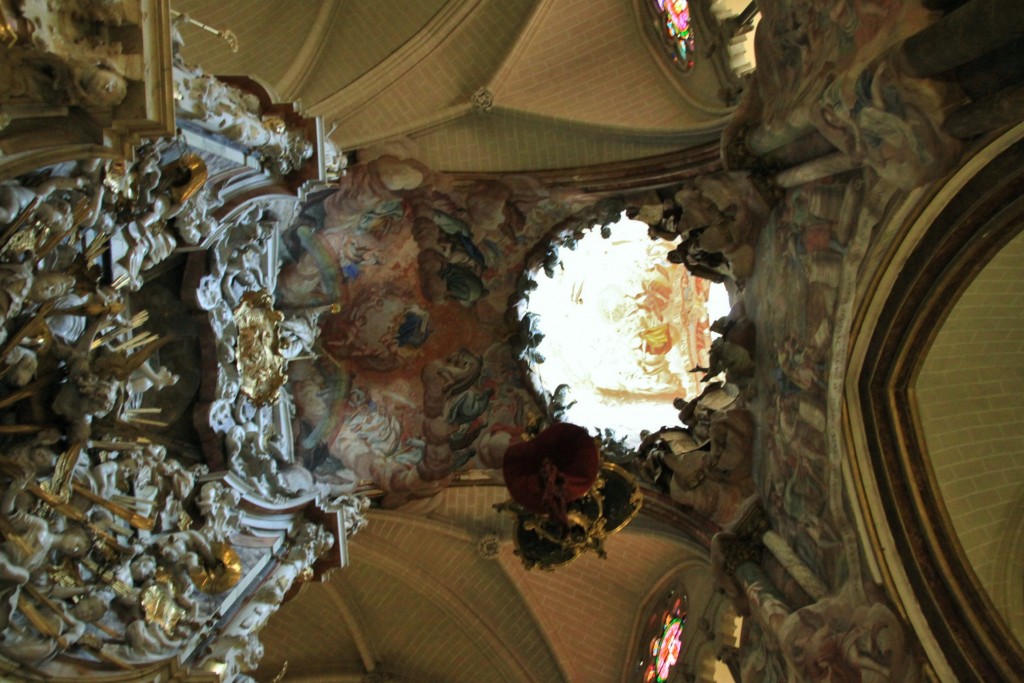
<point>623,327</point>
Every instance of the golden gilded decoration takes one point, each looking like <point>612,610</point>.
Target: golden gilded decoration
<point>29,239</point>
<point>11,534</point>
<point>621,496</point>
<point>280,676</point>
<point>102,539</point>
<point>117,178</point>
<point>613,502</point>
<point>224,576</point>
<point>8,24</point>
<point>187,175</point>
<point>60,483</point>
<point>533,427</point>
<point>135,519</point>
<point>258,356</point>
<point>275,124</point>
<point>160,607</point>
<point>107,576</point>
<point>39,340</point>
<point>18,222</point>
<point>66,574</point>
<point>227,34</point>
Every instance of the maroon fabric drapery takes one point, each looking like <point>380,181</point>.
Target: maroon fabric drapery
<point>551,470</point>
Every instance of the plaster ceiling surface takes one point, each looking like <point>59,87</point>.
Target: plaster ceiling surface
<point>572,83</point>
<point>421,603</point>
<point>972,414</point>
<point>269,29</point>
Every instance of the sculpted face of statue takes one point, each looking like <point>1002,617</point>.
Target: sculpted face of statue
<point>101,86</point>
<point>143,567</point>
<point>73,543</point>
<point>47,286</point>
<point>89,609</point>
<point>42,458</point>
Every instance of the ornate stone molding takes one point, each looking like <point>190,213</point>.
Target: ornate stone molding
<point>251,438</point>
<point>488,546</point>
<point>71,92</point>
<point>217,107</point>
<point>236,647</point>
<point>483,100</point>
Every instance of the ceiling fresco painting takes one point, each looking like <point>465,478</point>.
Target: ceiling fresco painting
<point>810,255</point>
<point>417,379</point>
<point>420,375</point>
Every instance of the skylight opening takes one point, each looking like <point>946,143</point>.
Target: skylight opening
<point>623,328</point>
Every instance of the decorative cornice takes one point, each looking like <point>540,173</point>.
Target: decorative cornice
<point>616,177</point>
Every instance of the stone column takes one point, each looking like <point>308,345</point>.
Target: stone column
<point>822,167</point>
<point>736,557</point>
<point>794,565</point>
<point>764,600</point>
<point>963,35</point>
<point>989,113</point>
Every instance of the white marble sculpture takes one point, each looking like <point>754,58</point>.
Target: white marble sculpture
<point>237,648</point>
<point>70,59</point>
<point>226,110</point>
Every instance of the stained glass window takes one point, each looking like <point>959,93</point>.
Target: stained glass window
<point>659,643</point>
<point>666,645</point>
<point>678,26</point>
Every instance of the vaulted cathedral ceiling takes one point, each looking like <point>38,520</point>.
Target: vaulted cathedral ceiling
<point>426,599</point>
<point>262,420</point>
<point>573,84</point>
<point>478,85</point>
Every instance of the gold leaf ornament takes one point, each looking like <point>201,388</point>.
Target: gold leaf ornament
<point>160,608</point>
<point>258,356</point>
<point>224,576</point>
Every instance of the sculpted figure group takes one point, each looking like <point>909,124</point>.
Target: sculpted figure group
<point>66,56</point>
<point>101,580</point>
<point>111,547</point>
<point>719,219</point>
<point>223,109</point>
<point>101,529</point>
